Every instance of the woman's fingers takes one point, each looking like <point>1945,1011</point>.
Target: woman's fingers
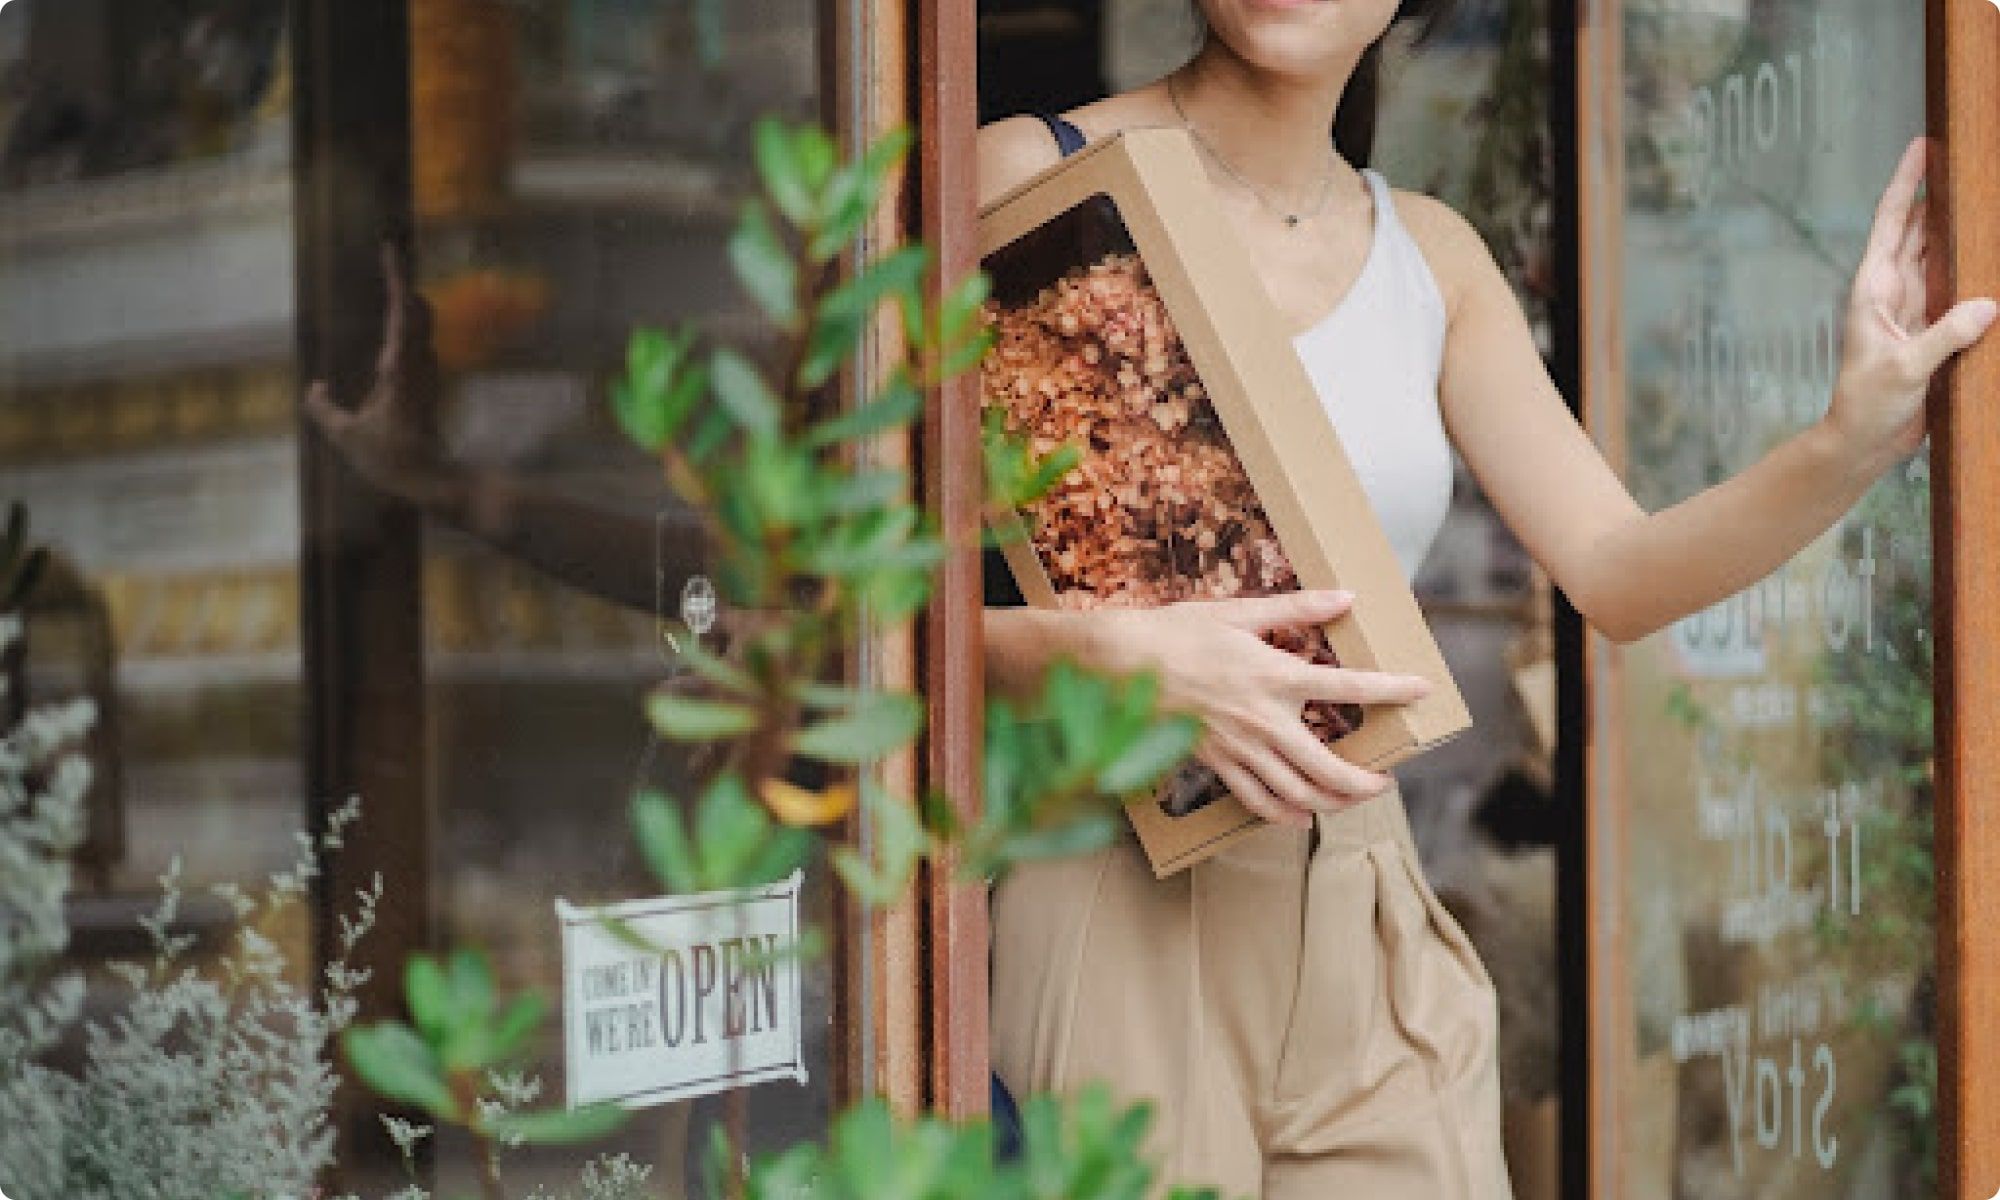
<point>1898,203</point>
<point>1965,324</point>
<point>1306,681</point>
<point>1335,778</point>
<point>1262,614</point>
<point>1246,787</point>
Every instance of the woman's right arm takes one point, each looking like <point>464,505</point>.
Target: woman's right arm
<point>1209,656</point>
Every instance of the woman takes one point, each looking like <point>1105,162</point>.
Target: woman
<point>1306,1017</point>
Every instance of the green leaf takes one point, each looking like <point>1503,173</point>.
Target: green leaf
<point>898,404</point>
<point>817,155</point>
<point>664,842</point>
<point>1156,751</point>
<point>782,851</point>
<point>516,1026</point>
<point>1076,700</point>
<point>763,266</point>
<point>714,668</point>
<point>557,1127</point>
<point>965,355</point>
<point>470,978</point>
<point>879,724</point>
<point>1078,835</point>
<point>852,193</point>
<point>778,479</point>
<point>1050,471</point>
<point>941,815</point>
<point>881,158</point>
<point>823,697</point>
<point>959,311</point>
<point>852,492</point>
<point>688,719</point>
<point>399,1065</point>
<point>891,595</point>
<point>741,391</point>
<point>651,358</point>
<point>834,337</point>
<point>730,829</point>
<point>898,839</point>
<point>429,997</point>
<point>898,275</point>
<point>784,171</point>
<point>659,389</point>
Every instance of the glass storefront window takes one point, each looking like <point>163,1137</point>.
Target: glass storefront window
<point>1771,982</point>
<point>576,168</point>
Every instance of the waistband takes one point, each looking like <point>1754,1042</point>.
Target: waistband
<point>1382,818</point>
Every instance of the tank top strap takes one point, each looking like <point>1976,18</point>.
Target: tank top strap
<point>1069,139</point>
<point>1385,203</point>
<point>1405,258</point>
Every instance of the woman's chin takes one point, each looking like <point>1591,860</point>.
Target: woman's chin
<point>1299,37</point>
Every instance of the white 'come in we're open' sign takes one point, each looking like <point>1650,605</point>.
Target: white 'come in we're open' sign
<point>682,996</point>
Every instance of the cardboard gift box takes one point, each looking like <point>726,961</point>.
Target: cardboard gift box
<point>1129,323</point>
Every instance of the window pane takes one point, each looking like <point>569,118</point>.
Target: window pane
<point>577,172</point>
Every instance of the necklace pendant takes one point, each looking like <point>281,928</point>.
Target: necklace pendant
<point>1291,221</point>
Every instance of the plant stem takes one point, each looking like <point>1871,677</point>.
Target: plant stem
<point>490,1185</point>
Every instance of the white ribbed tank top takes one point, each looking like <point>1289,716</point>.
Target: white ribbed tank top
<point>1375,360</point>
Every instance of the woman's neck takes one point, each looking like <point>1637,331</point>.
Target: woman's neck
<point>1273,129</point>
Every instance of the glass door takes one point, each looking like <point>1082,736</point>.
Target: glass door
<point>1767,992</point>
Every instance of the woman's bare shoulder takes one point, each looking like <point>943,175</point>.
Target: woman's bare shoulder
<point>1011,150</point>
<point>1457,254</point>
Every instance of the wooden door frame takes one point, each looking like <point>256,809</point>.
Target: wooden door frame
<point>1963,93</point>
<point>954,487</point>
<point>918,985</point>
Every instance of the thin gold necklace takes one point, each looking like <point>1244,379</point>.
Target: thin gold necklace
<point>1291,218</point>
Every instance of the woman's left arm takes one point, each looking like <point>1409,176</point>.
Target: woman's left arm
<point>1630,572</point>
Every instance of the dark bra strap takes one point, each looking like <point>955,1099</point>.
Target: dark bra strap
<point>1068,137</point>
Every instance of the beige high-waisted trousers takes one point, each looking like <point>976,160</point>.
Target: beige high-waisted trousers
<point>1308,1020</point>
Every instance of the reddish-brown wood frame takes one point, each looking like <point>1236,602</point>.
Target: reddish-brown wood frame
<point>1964,102</point>
<point>954,481</point>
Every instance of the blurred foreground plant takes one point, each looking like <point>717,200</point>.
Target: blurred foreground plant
<point>811,543</point>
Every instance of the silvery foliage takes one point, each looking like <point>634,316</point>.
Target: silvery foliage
<point>202,1084</point>
<point>610,1177</point>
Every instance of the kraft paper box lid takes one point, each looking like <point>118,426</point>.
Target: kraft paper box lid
<point>1142,193</point>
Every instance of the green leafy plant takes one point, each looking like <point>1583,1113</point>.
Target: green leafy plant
<point>457,1060</point>
<point>1085,1146</point>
